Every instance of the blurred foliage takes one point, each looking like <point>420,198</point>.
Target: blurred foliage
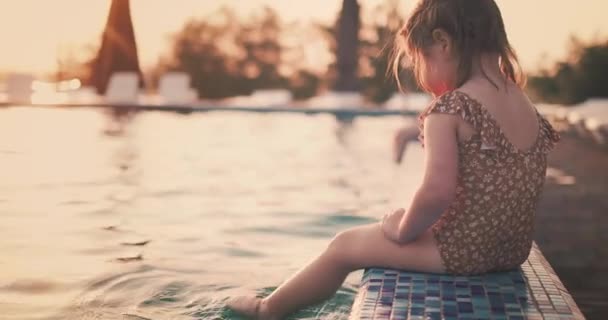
<point>226,55</point>
<point>375,49</point>
<point>70,65</point>
<point>583,75</point>
<point>375,56</point>
<point>229,56</point>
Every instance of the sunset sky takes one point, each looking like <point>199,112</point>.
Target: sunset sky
<point>33,32</point>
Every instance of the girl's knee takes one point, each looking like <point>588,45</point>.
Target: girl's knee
<point>336,244</point>
<point>341,240</point>
<point>343,246</point>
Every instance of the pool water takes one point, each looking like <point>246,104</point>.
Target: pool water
<point>165,216</point>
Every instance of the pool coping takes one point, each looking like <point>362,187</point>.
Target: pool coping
<point>533,291</point>
<point>345,111</point>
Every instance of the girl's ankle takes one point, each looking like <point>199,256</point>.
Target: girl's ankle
<point>263,311</point>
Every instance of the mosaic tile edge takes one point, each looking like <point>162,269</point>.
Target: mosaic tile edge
<point>532,292</point>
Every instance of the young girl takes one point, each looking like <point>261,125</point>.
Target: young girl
<point>485,160</point>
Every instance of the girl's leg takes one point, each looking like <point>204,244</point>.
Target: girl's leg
<point>402,138</point>
<point>352,249</point>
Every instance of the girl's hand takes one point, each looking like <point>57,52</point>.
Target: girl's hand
<point>390,224</point>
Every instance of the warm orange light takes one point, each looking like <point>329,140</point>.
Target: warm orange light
<point>22,22</point>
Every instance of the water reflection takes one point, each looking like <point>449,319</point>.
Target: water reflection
<point>343,131</point>
<point>119,118</point>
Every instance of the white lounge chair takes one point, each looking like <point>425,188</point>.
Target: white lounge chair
<point>598,128</point>
<point>580,117</point>
<point>123,88</point>
<point>337,100</point>
<point>596,120</point>
<point>272,98</point>
<point>19,88</point>
<point>174,87</point>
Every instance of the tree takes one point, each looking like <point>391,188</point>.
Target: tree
<point>118,51</point>
<point>347,38</point>
<point>376,49</point>
<point>229,57</point>
<point>584,75</point>
<point>374,53</point>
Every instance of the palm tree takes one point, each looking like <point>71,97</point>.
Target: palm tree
<point>118,51</point>
<point>348,45</point>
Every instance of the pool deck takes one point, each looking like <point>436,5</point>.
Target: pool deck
<point>533,291</point>
<point>571,219</point>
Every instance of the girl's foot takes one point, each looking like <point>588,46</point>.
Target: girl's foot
<point>246,305</point>
<point>251,306</point>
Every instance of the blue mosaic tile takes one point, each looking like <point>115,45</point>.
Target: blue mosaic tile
<point>532,292</point>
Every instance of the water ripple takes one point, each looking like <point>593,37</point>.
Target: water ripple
<point>32,286</point>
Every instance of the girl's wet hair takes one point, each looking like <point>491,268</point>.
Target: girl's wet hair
<point>476,27</point>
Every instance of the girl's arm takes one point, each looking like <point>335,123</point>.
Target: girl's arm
<point>438,188</point>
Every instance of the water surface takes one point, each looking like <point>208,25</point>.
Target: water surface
<point>165,216</point>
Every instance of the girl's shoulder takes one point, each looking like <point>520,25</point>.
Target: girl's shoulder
<point>474,113</point>
<point>452,103</point>
<point>455,103</point>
